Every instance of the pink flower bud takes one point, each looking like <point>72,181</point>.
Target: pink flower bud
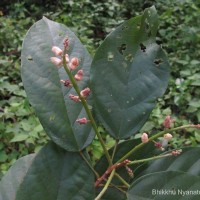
<point>168,136</point>
<point>67,58</point>
<point>168,121</point>
<point>66,42</point>
<point>144,138</point>
<point>82,121</point>
<point>79,75</point>
<point>56,61</point>
<point>66,83</point>
<point>158,145</point>
<point>176,152</point>
<point>57,51</point>
<point>73,63</point>
<point>84,93</point>
<point>74,98</point>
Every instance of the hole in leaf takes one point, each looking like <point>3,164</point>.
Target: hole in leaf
<point>110,56</point>
<point>158,61</point>
<point>122,48</point>
<point>124,27</point>
<point>143,47</point>
<point>29,58</point>
<point>129,57</point>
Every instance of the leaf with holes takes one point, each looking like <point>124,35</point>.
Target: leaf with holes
<point>129,72</point>
<point>41,79</point>
<point>56,174</point>
<point>165,185</point>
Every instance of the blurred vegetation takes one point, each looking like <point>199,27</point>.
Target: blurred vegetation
<point>179,34</point>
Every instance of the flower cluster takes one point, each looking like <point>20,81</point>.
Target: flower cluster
<point>72,64</point>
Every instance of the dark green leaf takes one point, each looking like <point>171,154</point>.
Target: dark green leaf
<point>166,186</point>
<point>57,175</point>
<point>41,79</point>
<point>10,183</point>
<point>129,72</point>
<point>188,161</point>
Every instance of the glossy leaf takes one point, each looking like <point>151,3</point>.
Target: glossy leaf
<point>41,79</point>
<point>57,175</point>
<point>10,183</point>
<point>129,72</point>
<point>156,186</point>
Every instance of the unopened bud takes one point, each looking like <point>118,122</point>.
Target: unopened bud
<point>56,61</point>
<point>144,138</point>
<point>176,152</point>
<point>66,42</point>
<point>79,75</point>
<point>57,51</point>
<point>66,83</point>
<point>158,145</point>
<point>84,93</point>
<point>67,58</point>
<point>73,63</point>
<point>82,121</point>
<point>130,172</point>
<point>168,121</point>
<point>74,98</point>
<point>168,136</point>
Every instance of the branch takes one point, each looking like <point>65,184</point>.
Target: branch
<point>106,185</point>
<point>139,146</point>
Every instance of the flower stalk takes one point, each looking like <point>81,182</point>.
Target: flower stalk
<point>85,105</point>
<point>139,146</point>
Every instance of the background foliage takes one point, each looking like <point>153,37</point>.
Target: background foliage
<point>179,34</point>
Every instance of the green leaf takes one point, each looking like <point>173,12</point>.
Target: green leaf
<point>11,181</point>
<point>41,79</point>
<point>156,186</point>
<point>188,161</point>
<point>56,174</point>
<point>19,137</point>
<point>129,72</point>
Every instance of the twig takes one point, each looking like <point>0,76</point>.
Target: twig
<point>106,185</point>
<point>109,170</point>
<point>114,150</point>
<point>122,180</point>
<point>155,137</point>
<point>85,159</point>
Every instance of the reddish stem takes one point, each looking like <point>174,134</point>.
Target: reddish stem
<point>109,170</point>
